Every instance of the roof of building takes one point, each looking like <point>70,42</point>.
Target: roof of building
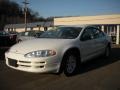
<point>29,25</point>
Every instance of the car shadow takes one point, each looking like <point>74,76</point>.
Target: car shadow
<point>100,61</point>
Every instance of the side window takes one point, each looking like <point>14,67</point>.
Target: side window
<point>87,35</point>
<point>97,33</point>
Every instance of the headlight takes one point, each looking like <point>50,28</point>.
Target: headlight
<point>41,53</point>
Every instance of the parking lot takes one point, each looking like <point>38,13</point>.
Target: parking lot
<point>97,74</point>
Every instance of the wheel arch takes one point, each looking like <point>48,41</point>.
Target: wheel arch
<point>72,49</point>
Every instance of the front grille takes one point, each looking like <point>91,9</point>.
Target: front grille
<point>26,64</point>
<point>12,62</point>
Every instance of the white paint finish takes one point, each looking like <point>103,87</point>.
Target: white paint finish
<point>88,49</point>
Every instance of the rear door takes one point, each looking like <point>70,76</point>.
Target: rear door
<point>99,38</point>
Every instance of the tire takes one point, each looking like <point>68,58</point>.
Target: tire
<point>107,52</point>
<point>19,40</point>
<point>72,63</point>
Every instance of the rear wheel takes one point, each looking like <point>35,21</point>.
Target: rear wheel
<point>107,52</point>
<point>72,64</point>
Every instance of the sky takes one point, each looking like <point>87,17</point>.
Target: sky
<point>48,8</point>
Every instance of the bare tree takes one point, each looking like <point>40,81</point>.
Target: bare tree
<point>12,13</point>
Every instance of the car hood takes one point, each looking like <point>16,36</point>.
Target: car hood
<point>38,44</point>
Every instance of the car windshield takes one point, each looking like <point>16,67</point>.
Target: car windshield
<point>62,32</point>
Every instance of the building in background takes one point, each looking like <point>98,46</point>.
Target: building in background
<point>40,26</point>
<point>107,23</point>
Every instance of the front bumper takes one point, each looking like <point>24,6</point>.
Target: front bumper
<point>36,65</point>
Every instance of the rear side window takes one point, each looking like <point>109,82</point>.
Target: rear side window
<point>87,34</point>
<point>91,33</point>
<point>97,33</point>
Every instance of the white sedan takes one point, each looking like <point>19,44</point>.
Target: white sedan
<point>62,49</point>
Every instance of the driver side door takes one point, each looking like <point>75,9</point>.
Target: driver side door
<point>87,44</point>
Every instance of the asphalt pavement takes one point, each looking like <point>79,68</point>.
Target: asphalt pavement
<point>97,74</point>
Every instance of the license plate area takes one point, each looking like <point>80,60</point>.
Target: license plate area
<point>12,62</point>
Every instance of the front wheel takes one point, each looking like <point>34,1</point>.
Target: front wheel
<point>72,64</point>
<point>107,52</point>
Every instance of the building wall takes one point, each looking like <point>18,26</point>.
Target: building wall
<point>41,26</point>
<point>20,30</point>
<point>101,19</point>
<point>28,29</point>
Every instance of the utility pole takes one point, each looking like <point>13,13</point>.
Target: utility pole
<point>25,12</point>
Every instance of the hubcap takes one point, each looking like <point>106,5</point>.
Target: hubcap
<point>71,64</point>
